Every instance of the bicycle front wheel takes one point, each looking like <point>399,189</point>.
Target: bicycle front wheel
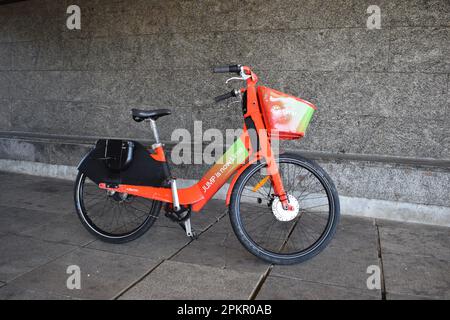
<point>285,236</point>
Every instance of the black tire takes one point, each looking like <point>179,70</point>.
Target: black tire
<point>146,221</point>
<point>254,246</point>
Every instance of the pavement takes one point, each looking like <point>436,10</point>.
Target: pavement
<point>41,236</point>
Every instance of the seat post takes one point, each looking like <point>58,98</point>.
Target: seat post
<point>172,181</point>
<point>155,130</point>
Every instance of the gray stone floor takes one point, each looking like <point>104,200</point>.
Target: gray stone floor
<point>40,236</point>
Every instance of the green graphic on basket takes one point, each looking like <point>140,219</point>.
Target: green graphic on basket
<point>305,117</point>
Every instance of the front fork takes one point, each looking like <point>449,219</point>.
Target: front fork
<point>274,172</point>
<point>277,183</point>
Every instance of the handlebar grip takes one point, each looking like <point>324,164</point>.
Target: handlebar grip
<point>234,68</point>
<point>225,96</point>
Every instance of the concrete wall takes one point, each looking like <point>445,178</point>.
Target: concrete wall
<point>383,125</point>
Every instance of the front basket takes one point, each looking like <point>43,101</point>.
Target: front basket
<point>286,117</point>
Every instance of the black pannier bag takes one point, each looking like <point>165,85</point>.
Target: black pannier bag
<point>122,162</point>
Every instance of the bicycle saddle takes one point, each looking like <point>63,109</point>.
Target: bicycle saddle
<point>140,115</point>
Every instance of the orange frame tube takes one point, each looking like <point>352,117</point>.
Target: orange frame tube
<point>235,160</point>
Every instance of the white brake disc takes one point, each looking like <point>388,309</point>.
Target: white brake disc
<point>285,215</point>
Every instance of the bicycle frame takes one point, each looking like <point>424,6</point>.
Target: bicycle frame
<point>254,144</point>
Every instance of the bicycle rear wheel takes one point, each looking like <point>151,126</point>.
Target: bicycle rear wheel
<point>112,216</point>
<point>285,236</point>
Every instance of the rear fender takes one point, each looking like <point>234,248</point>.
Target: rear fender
<point>84,159</point>
<point>142,170</point>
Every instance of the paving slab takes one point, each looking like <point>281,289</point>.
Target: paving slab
<point>416,275</point>
<point>394,296</point>
<point>62,229</point>
<point>356,233</point>
<point>19,254</point>
<point>339,266</point>
<point>13,292</point>
<point>178,280</point>
<point>223,225</point>
<point>157,243</point>
<point>352,232</point>
<point>415,239</point>
<point>216,248</point>
<point>200,221</point>
<point>45,194</point>
<point>103,275</point>
<point>280,288</point>
<point>345,261</point>
<point>20,220</point>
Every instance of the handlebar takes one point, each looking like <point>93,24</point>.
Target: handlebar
<point>234,68</point>
<point>232,93</point>
<point>244,73</point>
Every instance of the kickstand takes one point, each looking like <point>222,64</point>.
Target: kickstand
<point>186,226</point>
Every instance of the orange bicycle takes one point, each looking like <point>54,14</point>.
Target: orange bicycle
<point>283,208</point>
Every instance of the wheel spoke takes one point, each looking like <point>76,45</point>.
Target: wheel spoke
<point>114,215</point>
<point>289,237</point>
